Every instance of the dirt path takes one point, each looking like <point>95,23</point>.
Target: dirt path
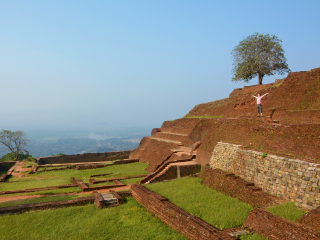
<point>19,169</point>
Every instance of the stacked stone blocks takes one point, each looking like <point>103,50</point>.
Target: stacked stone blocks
<point>291,179</point>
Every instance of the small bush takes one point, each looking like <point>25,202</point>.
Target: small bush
<point>264,155</point>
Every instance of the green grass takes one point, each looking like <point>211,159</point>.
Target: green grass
<point>56,191</point>
<point>33,184</point>
<point>253,236</point>
<point>131,181</point>
<point>101,184</point>
<point>206,116</point>
<point>214,207</point>
<point>55,178</point>
<point>286,210</point>
<point>27,163</point>
<point>117,170</point>
<point>41,199</point>
<point>127,221</point>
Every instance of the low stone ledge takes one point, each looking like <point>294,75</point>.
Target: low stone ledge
<point>93,181</point>
<point>56,169</point>
<point>274,227</point>
<point>4,177</point>
<point>183,222</point>
<point>90,166</point>
<point>99,175</point>
<point>117,196</point>
<point>126,161</point>
<point>47,205</point>
<point>232,185</point>
<point>125,193</point>
<point>82,185</point>
<point>86,157</point>
<point>116,185</point>
<point>98,200</point>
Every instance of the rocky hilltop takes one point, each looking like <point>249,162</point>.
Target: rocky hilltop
<point>290,126</point>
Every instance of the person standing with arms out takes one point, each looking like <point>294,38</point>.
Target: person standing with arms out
<point>259,106</point>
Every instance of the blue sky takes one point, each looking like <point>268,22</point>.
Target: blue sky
<point>134,63</point>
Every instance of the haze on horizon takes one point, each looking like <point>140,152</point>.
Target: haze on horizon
<point>76,64</point>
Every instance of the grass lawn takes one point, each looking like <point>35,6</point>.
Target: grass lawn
<point>214,207</point>
<point>55,178</point>
<point>41,199</point>
<point>10,186</point>
<point>117,170</point>
<point>286,210</point>
<point>28,163</point>
<point>127,221</point>
<point>131,181</point>
<point>101,184</point>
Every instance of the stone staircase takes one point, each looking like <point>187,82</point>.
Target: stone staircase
<point>173,171</point>
<point>109,199</point>
<point>172,136</point>
<point>166,140</point>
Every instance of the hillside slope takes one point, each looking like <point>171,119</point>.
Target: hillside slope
<point>293,100</point>
<point>290,126</point>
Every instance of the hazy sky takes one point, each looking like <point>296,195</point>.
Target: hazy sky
<point>134,63</point>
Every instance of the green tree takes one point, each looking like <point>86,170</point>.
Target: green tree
<point>13,141</point>
<point>258,55</point>
<point>22,156</point>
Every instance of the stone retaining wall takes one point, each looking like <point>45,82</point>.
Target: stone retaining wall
<point>5,166</point>
<point>47,205</point>
<point>290,179</point>
<point>93,181</point>
<point>183,222</point>
<point>86,157</point>
<point>9,167</point>
<point>85,188</point>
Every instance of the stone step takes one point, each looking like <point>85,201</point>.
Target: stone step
<point>239,233</point>
<point>182,149</point>
<point>172,136</point>
<point>170,165</point>
<point>168,141</point>
<point>109,198</point>
<point>177,134</point>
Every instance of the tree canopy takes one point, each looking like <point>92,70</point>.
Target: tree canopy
<point>13,141</point>
<point>258,55</point>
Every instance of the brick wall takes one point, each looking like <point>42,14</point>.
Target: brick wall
<point>47,205</point>
<point>5,166</point>
<point>274,227</point>
<point>187,170</point>
<point>86,157</point>
<point>290,179</point>
<point>183,222</point>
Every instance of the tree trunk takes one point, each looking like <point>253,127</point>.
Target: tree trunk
<point>15,156</point>
<point>260,78</point>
